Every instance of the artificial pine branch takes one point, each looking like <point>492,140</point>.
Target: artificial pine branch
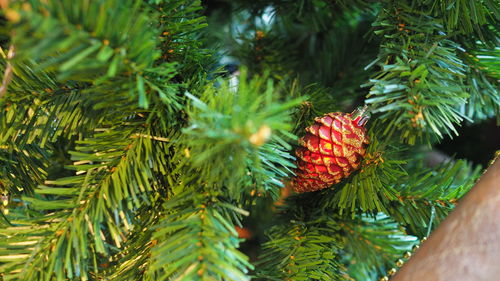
<point>419,70</point>
<point>372,244</point>
<point>482,83</point>
<point>97,196</point>
<point>425,199</point>
<point>230,127</point>
<point>301,247</point>
<point>197,241</point>
<point>123,157</point>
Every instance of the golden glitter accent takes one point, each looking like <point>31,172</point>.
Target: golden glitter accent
<point>325,177</point>
<point>337,151</point>
<point>337,173</point>
<point>335,141</point>
<point>312,130</point>
<point>328,146</point>
<point>325,147</point>
<point>322,135</point>
<point>316,160</point>
<point>346,131</point>
<point>336,127</point>
<point>348,151</point>
<point>328,161</point>
<point>358,131</point>
<point>353,160</point>
<point>346,119</point>
<point>311,147</point>
<point>324,122</point>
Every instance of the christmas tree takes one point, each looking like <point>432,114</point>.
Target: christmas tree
<point>163,139</point>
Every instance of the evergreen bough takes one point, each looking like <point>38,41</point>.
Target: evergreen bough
<point>126,153</point>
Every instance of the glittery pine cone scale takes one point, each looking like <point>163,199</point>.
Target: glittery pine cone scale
<point>330,151</point>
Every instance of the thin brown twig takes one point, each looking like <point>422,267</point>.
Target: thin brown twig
<point>7,76</point>
<point>150,137</point>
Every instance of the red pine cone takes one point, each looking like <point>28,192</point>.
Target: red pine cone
<point>331,150</point>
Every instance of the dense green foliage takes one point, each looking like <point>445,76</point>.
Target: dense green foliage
<point>127,152</point>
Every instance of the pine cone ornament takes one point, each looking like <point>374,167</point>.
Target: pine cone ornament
<point>331,150</point>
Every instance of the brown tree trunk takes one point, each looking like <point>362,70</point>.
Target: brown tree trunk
<point>466,246</point>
